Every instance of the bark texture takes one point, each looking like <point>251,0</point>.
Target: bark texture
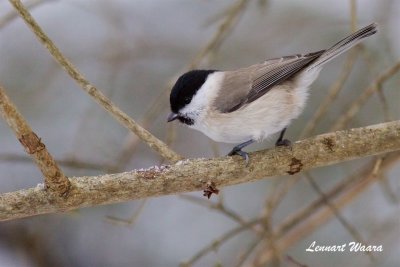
<point>194,174</point>
<point>54,178</point>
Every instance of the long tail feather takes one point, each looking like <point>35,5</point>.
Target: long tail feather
<point>344,45</point>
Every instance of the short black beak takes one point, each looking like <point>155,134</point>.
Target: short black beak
<point>172,117</point>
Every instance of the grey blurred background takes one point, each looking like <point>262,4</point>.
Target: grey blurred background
<point>131,50</point>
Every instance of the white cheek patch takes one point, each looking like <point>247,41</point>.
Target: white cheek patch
<point>204,96</point>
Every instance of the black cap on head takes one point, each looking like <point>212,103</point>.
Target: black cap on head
<point>186,87</point>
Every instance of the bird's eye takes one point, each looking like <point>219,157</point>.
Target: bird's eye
<point>187,100</point>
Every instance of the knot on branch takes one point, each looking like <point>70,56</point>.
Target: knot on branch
<point>329,143</point>
<point>32,143</point>
<point>210,189</point>
<point>295,166</point>
<point>58,184</point>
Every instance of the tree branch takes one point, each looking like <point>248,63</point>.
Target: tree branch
<point>223,30</point>
<point>54,178</point>
<point>10,16</point>
<point>97,95</point>
<point>193,174</point>
<point>67,162</point>
<point>155,108</point>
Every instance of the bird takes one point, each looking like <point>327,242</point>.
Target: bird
<point>252,103</point>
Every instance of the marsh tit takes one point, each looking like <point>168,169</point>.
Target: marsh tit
<point>252,103</point>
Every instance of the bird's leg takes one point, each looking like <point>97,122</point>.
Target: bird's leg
<point>237,150</point>
<point>281,141</point>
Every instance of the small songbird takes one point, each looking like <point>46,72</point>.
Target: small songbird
<point>252,103</point>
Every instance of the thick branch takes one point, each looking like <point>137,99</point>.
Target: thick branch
<point>55,180</point>
<point>191,175</point>
<point>97,95</point>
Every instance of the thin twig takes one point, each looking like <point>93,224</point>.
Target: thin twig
<point>33,244</point>
<point>290,222</point>
<point>353,15</point>
<point>55,179</point>
<point>279,192</point>
<point>271,241</point>
<point>250,249</point>
<point>97,95</point>
<point>366,55</point>
<point>221,207</point>
<point>132,220</point>
<point>384,104</point>
<point>217,206</point>
<point>333,92</point>
<point>10,16</point>
<point>295,262</point>
<point>70,163</point>
<point>131,141</point>
<point>221,240</point>
<point>388,189</point>
<point>335,89</point>
<point>171,135</point>
<point>345,191</point>
<point>383,181</point>
<point>368,92</point>
<point>222,32</point>
<point>159,104</point>
<point>220,15</point>
<point>275,196</point>
<point>350,228</point>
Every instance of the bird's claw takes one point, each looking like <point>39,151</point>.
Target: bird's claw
<point>241,153</point>
<point>284,142</point>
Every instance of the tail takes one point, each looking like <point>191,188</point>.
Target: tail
<point>344,45</point>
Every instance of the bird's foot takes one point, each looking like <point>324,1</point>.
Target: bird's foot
<point>238,151</point>
<point>283,142</point>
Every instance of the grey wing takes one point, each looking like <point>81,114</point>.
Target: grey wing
<point>262,77</point>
